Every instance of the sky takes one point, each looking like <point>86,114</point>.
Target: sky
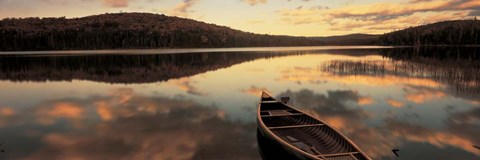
<point>279,17</point>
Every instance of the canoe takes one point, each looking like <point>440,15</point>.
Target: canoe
<point>269,150</point>
<point>301,134</point>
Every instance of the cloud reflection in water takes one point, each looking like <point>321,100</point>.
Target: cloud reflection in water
<point>126,125</point>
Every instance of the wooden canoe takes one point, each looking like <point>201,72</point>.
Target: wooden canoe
<point>303,135</point>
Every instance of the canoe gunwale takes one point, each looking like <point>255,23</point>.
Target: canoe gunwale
<point>268,130</point>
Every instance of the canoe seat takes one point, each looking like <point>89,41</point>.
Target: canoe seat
<point>321,137</point>
<point>288,120</point>
<point>264,113</point>
<point>279,112</point>
<point>291,139</point>
<point>295,126</point>
<point>270,102</point>
<point>273,105</point>
<point>304,147</point>
<point>284,112</point>
<point>343,156</point>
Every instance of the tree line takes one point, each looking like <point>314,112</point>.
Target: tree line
<point>458,32</point>
<point>129,30</point>
<point>145,30</point>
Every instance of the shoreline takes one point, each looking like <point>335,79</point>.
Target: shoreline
<point>192,50</point>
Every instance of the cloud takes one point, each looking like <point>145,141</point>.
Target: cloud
<point>459,131</point>
<point>182,129</point>
<point>183,8</point>
<point>471,4</point>
<point>254,2</point>
<point>104,111</point>
<point>391,10</point>
<point>123,95</point>
<point>255,91</point>
<point>381,16</point>
<point>7,115</point>
<point>6,111</point>
<point>186,84</point>
<point>48,115</point>
<point>439,138</point>
<point>363,101</point>
<point>116,3</point>
<point>421,94</point>
<point>475,102</point>
<point>395,103</point>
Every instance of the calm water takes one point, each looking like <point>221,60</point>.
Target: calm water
<point>424,102</point>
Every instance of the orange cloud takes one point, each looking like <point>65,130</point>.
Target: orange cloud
<point>116,3</point>
<point>469,4</point>
<point>183,8</point>
<point>423,96</point>
<point>48,115</point>
<point>475,102</point>
<point>395,103</point>
<point>65,110</point>
<point>388,9</point>
<point>186,84</point>
<point>380,17</point>
<point>254,2</point>
<point>130,133</point>
<point>122,95</point>
<point>365,101</point>
<point>255,91</point>
<point>6,115</point>
<point>104,111</point>
<point>438,138</point>
<point>6,112</point>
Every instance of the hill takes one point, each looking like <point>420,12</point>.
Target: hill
<point>350,39</point>
<point>129,30</point>
<point>458,32</point>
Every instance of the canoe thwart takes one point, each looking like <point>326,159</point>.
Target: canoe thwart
<point>296,126</point>
<point>283,115</point>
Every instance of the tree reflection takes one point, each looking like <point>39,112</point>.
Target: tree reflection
<point>121,68</point>
<point>456,68</point>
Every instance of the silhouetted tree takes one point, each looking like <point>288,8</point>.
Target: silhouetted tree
<point>129,30</point>
<point>459,32</point>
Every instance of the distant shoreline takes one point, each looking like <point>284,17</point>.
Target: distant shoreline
<point>191,50</point>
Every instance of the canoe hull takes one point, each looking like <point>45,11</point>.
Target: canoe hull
<point>301,135</point>
<point>281,150</point>
<point>271,150</point>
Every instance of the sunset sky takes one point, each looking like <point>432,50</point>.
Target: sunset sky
<point>280,17</point>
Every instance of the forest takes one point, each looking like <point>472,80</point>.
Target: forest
<point>350,39</point>
<point>129,30</point>
<point>145,31</point>
<point>458,32</point>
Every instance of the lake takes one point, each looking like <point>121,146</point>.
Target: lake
<point>202,104</point>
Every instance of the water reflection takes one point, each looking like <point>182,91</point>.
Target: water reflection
<point>131,68</point>
<point>126,125</point>
<point>121,68</point>
<point>456,68</point>
<point>202,105</point>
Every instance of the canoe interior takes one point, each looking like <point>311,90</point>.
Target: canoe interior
<point>306,133</point>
